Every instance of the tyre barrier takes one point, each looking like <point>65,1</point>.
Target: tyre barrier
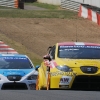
<point>90,12</point>
<point>5,49</point>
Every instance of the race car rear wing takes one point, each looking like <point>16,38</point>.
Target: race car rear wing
<point>5,49</point>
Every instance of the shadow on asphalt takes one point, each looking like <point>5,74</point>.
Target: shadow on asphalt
<point>77,89</point>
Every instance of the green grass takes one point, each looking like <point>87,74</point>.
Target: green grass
<point>18,13</point>
<point>44,5</point>
<point>3,7</point>
<point>51,12</point>
<point>21,49</point>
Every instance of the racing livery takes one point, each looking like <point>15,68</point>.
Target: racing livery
<point>70,65</point>
<point>17,72</point>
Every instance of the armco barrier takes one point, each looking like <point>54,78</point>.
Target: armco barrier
<point>12,3</point>
<point>9,3</point>
<point>5,49</point>
<point>70,4</point>
<point>89,12</point>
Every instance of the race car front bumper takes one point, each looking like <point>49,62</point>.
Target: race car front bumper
<point>86,82</point>
<point>19,85</point>
<point>17,82</point>
<point>80,82</point>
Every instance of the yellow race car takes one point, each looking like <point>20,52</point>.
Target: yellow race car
<point>70,65</point>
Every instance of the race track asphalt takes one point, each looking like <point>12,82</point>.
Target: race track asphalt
<point>29,7</point>
<point>49,95</point>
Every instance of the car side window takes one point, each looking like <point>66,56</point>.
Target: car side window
<point>52,52</point>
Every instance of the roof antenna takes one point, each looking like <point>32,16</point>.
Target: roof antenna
<point>76,30</point>
<point>76,34</point>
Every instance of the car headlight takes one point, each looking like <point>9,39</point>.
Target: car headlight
<point>64,68</point>
<point>32,77</point>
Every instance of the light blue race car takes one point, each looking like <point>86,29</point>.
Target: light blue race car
<point>17,72</point>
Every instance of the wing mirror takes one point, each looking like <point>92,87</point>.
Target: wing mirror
<point>36,68</point>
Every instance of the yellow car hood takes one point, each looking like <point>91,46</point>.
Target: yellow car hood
<point>78,62</point>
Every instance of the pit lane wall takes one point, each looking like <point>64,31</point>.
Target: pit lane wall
<point>90,12</point>
<point>58,2</point>
<point>6,49</point>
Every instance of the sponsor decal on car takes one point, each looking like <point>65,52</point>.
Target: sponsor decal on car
<point>80,46</point>
<point>62,73</point>
<point>13,58</point>
<point>65,80</point>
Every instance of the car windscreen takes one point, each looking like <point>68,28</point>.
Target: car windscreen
<point>79,52</point>
<point>15,63</point>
